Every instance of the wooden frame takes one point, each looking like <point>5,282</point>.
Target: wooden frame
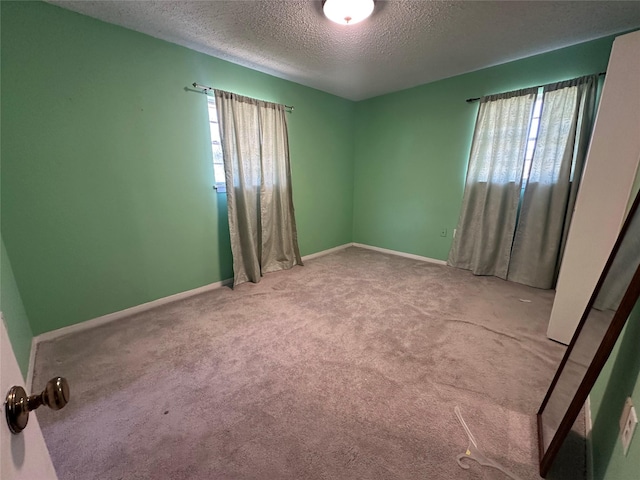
<point>601,355</point>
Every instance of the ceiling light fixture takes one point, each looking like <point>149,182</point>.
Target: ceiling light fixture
<point>347,12</point>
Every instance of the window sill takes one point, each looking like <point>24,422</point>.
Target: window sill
<point>220,187</point>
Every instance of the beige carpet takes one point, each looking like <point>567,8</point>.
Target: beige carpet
<point>347,368</point>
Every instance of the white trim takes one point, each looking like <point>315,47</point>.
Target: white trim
<point>587,416</point>
<point>326,252</point>
<point>104,319</point>
<point>401,254</point>
<point>110,317</point>
<point>32,363</point>
<point>588,421</point>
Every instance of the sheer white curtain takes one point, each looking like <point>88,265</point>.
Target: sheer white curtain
<point>487,222</point>
<point>255,149</point>
<point>568,109</point>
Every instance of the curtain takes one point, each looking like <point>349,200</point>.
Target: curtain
<point>255,150</point>
<point>484,235</point>
<point>566,122</point>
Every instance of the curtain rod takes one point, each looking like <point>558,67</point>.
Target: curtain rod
<point>471,100</point>
<point>205,89</point>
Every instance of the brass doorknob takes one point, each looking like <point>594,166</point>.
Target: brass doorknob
<point>18,405</point>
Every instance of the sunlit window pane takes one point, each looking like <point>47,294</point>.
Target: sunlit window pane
<point>532,137</point>
<point>537,109</point>
<point>531,145</point>
<point>218,171</point>
<point>216,148</point>
<point>534,127</point>
<point>215,133</point>
<point>527,169</point>
<point>217,157</point>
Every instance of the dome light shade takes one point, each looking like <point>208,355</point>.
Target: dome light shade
<point>347,12</point>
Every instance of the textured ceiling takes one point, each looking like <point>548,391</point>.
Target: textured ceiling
<point>403,44</point>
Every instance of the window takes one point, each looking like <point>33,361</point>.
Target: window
<point>216,147</point>
<point>532,137</point>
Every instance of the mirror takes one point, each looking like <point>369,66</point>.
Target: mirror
<point>612,300</point>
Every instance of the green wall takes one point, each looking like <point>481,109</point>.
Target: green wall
<point>412,148</point>
<point>107,198</point>
<point>14,314</point>
<point>106,187</point>
<point>620,378</point>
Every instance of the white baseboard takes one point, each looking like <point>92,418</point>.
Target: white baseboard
<point>400,254</point>
<point>587,416</point>
<point>110,317</point>
<point>326,252</point>
<point>588,426</point>
<point>104,319</point>
<point>32,361</point>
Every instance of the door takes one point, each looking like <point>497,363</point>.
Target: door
<point>606,189</point>
<point>23,456</point>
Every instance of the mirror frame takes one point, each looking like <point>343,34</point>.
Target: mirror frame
<point>602,353</point>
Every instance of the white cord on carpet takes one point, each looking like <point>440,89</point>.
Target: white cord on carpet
<point>474,453</point>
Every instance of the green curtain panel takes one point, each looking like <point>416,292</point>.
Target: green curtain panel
<point>568,110</point>
<point>514,233</point>
<point>255,148</point>
<point>487,223</point>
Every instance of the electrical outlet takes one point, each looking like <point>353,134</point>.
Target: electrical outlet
<point>628,422</point>
<point>443,232</point>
